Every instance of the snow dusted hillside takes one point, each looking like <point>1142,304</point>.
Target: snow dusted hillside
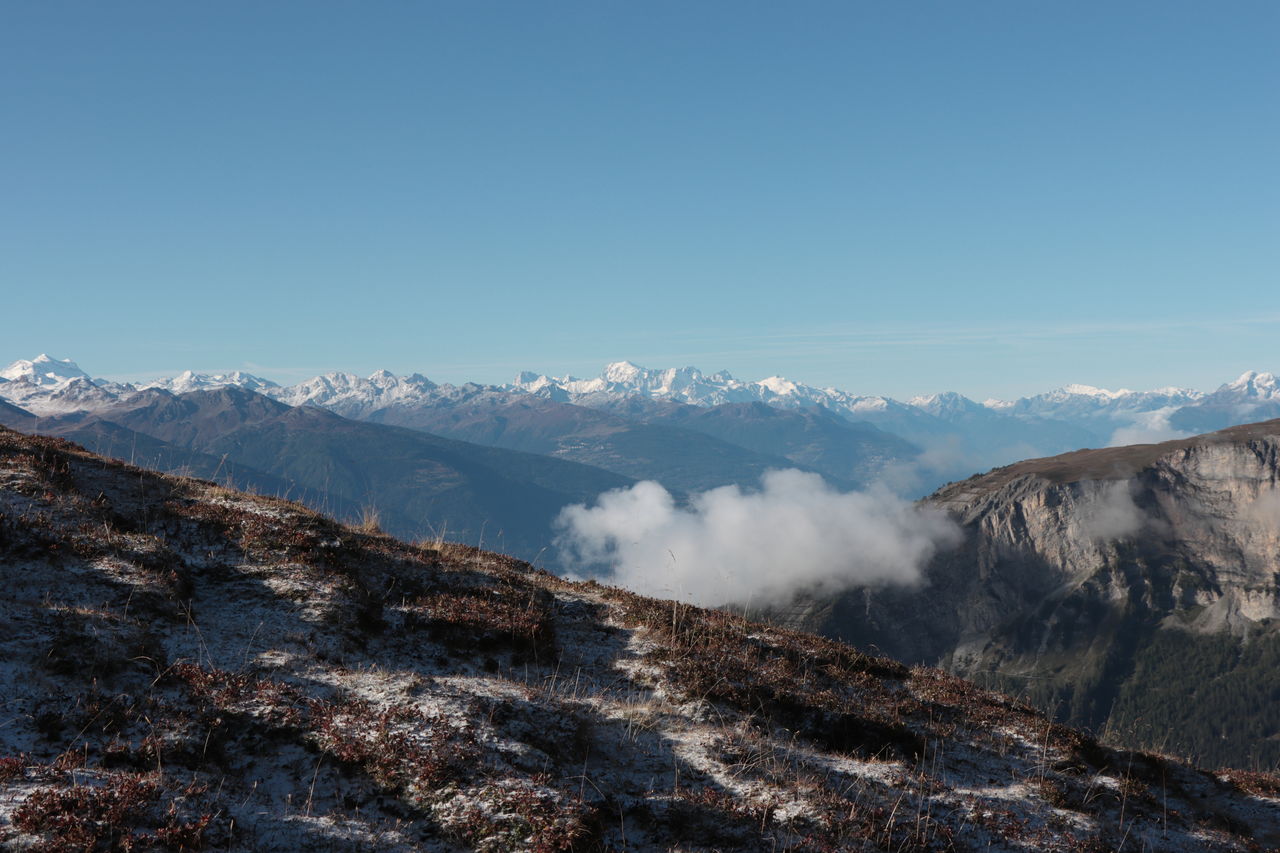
<point>189,667</point>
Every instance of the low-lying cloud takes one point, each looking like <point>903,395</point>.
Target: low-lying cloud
<point>1111,513</point>
<point>1147,428</point>
<point>947,459</point>
<point>1264,510</point>
<point>730,546</point>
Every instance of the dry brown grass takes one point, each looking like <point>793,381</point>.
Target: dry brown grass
<point>776,739</point>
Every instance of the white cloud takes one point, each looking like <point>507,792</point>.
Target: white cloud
<point>1111,513</point>
<point>1265,511</point>
<point>753,547</point>
<point>1148,428</point>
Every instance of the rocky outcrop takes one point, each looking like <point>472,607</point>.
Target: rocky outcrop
<point>1135,590</point>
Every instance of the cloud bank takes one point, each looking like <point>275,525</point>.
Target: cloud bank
<point>730,546</point>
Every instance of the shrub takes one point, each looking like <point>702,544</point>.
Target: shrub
<point>121,813</point>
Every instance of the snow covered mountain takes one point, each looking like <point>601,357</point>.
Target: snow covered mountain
<point>1097,411</point>
<point>960,434</point>
<point>353,396</point>
<point>188,380</point>
<point>690,385</point>
<point>1254,385</point>
<point>48,386</point>
<point>46,378</point>
<point>984,434</point>
<point>43,371</point>
<point>1128,417</point>
<point>1252,397</point>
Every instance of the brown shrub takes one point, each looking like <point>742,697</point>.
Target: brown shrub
<point>121,813</point>
<point>12,766</point>
<point>397,747</point>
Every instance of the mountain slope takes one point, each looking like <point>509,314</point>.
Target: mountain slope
<point>118,442</point>
<point>185,666</point>
<point>681,459</point>
<point>417,485</point>
<point>1135,589</point>
<point>14,417</point>
<point>813,438</point>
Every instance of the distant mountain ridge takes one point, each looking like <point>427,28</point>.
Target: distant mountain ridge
<point>347,391</point>
<point>958,436</point>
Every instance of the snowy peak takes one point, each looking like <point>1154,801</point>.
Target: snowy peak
<point>679,384</point>
<point>351,395</point>
<point>626,379</point>
<point>777,385</point>
<point>1262,386</point>
<point>691,386</point>
<point>78,394</point>
<point>1088,401</point>
<point>51,386</point>
<point>385,380</point>
<point>1077,390</point>
<point>189,380</point>
<point>631,378</point>
<point>44,371</point>
<point>946,404</point>
<point>623,373</point>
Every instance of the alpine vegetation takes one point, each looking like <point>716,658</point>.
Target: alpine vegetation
<point>188,667</point>
<point>730,546</point>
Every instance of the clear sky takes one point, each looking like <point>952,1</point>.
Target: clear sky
<point>890,197</point>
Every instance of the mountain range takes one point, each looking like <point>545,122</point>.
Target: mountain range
<point>955,436</point>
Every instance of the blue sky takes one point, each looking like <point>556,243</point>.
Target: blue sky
<point>898,198</point>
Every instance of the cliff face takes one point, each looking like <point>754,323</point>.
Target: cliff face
<point>1134,590</point>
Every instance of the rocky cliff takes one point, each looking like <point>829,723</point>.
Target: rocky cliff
<point>1134,590</point>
